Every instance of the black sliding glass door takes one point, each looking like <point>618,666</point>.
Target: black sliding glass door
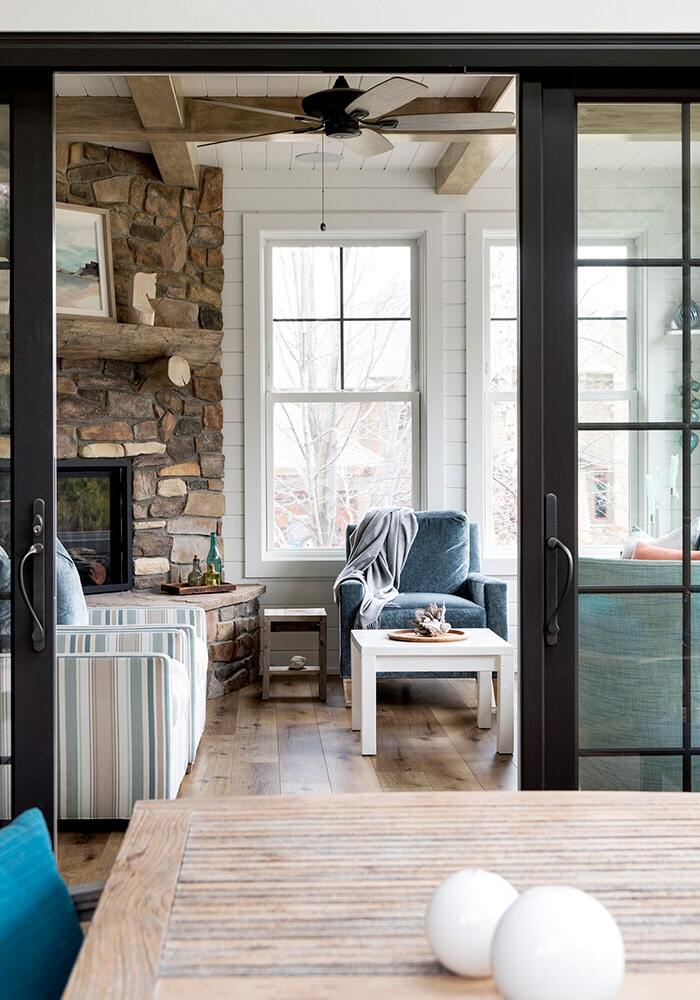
<point>610,438</point>
<point>27,602</point>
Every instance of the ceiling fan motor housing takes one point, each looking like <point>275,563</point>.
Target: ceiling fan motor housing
<point>329,107</point>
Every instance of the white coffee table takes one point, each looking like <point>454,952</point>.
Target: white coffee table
<point>481,652</point>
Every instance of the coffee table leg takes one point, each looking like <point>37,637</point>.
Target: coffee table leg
<point>355,680</point>
<point>483,712</point>
<point>505,720</point>
<point>368,686</point>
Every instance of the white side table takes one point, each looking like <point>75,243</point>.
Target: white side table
<point>481,652</point>
<point>292,620</point>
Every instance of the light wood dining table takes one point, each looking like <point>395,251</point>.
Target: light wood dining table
<point>323,897</point>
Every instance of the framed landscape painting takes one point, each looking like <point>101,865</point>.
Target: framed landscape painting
<point>84,275</point>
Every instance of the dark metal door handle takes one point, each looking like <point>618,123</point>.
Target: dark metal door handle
<point>552,630</point>
<point>35,552</point>
<point>554,599</point>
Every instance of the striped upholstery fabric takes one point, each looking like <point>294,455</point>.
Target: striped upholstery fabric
<point>123,725</point>
<point>189,617</point>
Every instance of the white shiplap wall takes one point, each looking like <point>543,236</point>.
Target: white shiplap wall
<point>283,191</point>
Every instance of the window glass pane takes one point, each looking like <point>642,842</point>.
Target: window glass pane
<point>629,175</point>
<point>305,282</point>
<point>503,361</point>
<point>377,356</point>
<point>503,281</point>
<point>503,497</point>
<point>596,411</point>
<point>377,281</point>
<point>332,462</point>
<point>630,676</point>
<point>306,356</point>
<point>629,505</point>
<point>633,774</point>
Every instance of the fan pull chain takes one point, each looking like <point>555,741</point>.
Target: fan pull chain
<point>323,182</point>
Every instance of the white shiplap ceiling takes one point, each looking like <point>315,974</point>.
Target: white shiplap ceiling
<point>282,155</point>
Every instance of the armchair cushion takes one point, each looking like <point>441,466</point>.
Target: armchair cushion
<point>40,936</point>
<point>439,558</point>
<point>461,613</point>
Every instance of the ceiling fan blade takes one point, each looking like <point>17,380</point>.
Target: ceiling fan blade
<point>383,98</point>
<point>468,122</point>
<point>285,136</point>
<point>257,111</point>
<point>368,143</point>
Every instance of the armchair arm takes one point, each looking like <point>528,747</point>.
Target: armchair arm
<point>349,599</point>
<point>173,641</point>
<point>492,595</point>
<point>166,614</point>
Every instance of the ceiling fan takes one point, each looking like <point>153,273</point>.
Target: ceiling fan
<point>362,119</point>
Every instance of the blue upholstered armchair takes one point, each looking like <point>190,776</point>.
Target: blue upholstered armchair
<point>444,564</point>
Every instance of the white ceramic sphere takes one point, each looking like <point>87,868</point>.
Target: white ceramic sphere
<point>462,916</point>
<point>555,942</point>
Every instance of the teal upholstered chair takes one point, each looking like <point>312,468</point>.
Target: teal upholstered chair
<point>444,564</point>
<point>40,934</point>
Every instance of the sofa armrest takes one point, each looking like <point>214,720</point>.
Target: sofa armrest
<point>492,595</point>
<point>349,598</point>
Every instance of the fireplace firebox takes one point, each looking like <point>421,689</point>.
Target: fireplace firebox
<point>93,520</point>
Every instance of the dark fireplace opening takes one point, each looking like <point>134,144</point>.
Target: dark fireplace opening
<point>93,520</point>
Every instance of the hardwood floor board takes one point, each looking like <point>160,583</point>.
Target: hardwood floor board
<point>88,857</point>
<point>403,781</point>
<point>222,714</point>
<point>348,770</point>
<point>254,778</point>
<point>497,774</point>
<point>255,738</point>
<point>302,762</point>
<point>211,771</point>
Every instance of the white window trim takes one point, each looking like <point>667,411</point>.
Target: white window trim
<point>479,228</point>
<point>258,228</point>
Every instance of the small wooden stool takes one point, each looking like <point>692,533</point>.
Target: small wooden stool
<point>293,620</point>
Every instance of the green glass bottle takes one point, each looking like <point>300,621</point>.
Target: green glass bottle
<point>214,560</point>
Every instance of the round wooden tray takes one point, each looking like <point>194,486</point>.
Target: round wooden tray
<point>408,635</point>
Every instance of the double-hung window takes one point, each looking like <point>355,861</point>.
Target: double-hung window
<point>341,388</point>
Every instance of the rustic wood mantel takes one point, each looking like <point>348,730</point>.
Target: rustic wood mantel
<point>90,338</point>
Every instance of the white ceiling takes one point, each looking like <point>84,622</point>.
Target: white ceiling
<point>281,155</point>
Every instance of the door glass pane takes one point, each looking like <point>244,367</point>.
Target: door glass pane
<point>633,774</point>
<point>630,508</point>
<point>695,180</point>
<point>332,462</point>
<point>5,539</point>
<point>630,675</point>
<point>629,175</point>
<point>629,347</point>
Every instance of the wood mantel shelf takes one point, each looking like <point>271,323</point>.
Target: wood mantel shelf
<point>89,338</point>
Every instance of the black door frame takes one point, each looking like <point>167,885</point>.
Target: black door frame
<point>32,367</point>
<point>549,65</point>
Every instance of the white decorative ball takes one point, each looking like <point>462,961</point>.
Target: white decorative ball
<point>462,916</point>
<point>554,942</point>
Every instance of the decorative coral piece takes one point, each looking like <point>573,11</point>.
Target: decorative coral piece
<point>430,621</point>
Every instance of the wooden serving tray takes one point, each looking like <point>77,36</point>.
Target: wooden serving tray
<point>408,635</point>
<point>184,589</point>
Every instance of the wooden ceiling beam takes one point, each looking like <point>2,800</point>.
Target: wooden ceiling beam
<point>117,119</point>
<point>160,109</point>
<point>463,163</point>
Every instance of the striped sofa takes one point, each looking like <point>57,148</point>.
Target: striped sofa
<point>131,708</point>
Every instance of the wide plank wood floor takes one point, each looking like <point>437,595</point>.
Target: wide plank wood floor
<point>427,738</point>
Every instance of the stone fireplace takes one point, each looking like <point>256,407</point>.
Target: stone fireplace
<point>107,407</point>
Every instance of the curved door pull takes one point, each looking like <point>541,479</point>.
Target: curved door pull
<point>36,553</point>
<point>553,598</point>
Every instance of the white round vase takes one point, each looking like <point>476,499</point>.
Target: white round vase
<point>462,916</point>
<point>557,942</point>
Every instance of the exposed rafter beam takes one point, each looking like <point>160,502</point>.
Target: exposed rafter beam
<point>117,119</point>
<point>160,108</point>
<point>463,163</point>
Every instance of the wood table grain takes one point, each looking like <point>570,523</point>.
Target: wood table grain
<point>323,896</point>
